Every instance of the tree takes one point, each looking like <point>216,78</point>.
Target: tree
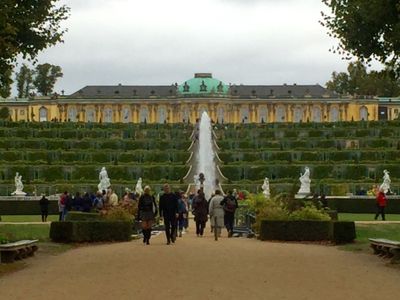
<point>24,81</point>
<point>4,113</point>
<point>46,77</point>
<point>27,27</point>
<point>358,81</point>
<point>366,29</point>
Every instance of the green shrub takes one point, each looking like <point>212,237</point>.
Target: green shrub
<point>90,231</point>
<point>309,212</point>
<point>82,216</point>
<point>343,232</point>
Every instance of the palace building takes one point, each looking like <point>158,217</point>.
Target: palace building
<point>185,103</point>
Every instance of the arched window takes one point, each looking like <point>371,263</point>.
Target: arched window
<point>90,115</point>
<point>185,115</point>
<point>43,114</point>
<point>144,115</point>
<point>317,114</point>
<point>220,115</point>
<point>72,114</point>
<point>298,114</point>
<point>244,115</point>
<point>108,115</point>
<point>280,114</point>
<point>262,114</point>
<point>161,115</point>
<point>334,114</point>
<point>363,113</point>
<point>126,115</point>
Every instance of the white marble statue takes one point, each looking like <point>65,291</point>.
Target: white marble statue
<point>305,182</point>
<point>138,188</point>
<point>385,186</point>
<point>265,188</point>
<point>18,185</point>
<point>104,180</point>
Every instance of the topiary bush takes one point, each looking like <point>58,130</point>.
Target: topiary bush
<point>343,232</point>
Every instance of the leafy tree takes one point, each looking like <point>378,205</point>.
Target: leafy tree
<point>24,81</point>
<point>4,113</point>
<point>27,27</point>
<point>366,29</point>
<point>46,77</point>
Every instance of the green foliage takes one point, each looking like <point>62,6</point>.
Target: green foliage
<point>24,81</point>
<point>376,24</point>
<point>82,216</point>
<point>343,232</point>
<point>4,112</point>
<point>46,77</point>
<point>309,212</point>
<point>27,28</point>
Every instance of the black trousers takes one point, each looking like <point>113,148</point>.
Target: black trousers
<point>200,227</point>
<point>45,213</point>
<point>229,219</point>
<point>380,211</point>
<point>170,229</point>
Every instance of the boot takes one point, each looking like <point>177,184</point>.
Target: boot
<point>148,236</point>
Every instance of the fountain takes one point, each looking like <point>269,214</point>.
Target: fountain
<point>206,163</point>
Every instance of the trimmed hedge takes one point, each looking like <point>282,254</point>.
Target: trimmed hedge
<point>81,216</point>
<point>25,207</point>
<point>343,232</point>
<point>363,205</point>
<point>90,231</point>
<point>335,231</point>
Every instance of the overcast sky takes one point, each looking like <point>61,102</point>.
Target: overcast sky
<point>166,41</point>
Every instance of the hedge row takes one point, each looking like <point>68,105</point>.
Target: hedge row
<point>113,144</point>
<point>320,143</point>
<point>25,207</point>
<point>363,205</point>
<point>88,173</point>
<point>336,231</point>
<point>90,231</point>
<point>318,171</point>
<point>90,157</point>
<point>321,156</point>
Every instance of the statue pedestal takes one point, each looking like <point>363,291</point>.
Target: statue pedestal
<point>18,193</point>
<point>301,195</point>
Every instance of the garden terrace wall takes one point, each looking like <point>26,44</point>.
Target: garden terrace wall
<point>362,204</point>
<point>25,207</point>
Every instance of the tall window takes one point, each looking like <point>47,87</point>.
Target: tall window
<point>334,114</point>
<point>263,114</point>
<point>108,115</point>
<point>185,115</point>
<point>162,115</point>
<point>220,115</point>
<point>298,114</point>
<point>364,113</point>
<point>280,114</point>
<point>244,115</point>
<point>317,114</point>
<point>126,115</point>
<point>90,115</point>
<point>144,115</point>
<point>43,114</point>
<point>72,114</point>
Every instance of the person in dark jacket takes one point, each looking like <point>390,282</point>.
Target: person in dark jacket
<point>169,212</point>
<point>229,205</point>
<point>381,202</point>
<point>147,211</point>
<point>44,207</point>
<point>200,211</point>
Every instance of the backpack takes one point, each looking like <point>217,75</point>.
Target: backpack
<point>230,205</point>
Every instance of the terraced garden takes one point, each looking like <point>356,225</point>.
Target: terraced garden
<point>52,157</point>
<point>343,157</point>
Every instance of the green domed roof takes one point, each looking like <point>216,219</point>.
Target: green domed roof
<point>203,84</point>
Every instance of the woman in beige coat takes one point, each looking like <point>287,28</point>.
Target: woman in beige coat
<point>216,211</point>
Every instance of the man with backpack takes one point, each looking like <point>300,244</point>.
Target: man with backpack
<point>229,205</point>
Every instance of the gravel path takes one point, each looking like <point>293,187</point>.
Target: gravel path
<point>200,268</point>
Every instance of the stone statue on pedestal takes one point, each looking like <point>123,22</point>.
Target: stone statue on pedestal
<point>138,188</point>
<point>385,186</point>
<point>104,180</point>
<point>265,188</point>
<point>18,185</point>
<point>305,182</point>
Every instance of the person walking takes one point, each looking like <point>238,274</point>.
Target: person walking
<point>169,212</point>
<point>183,213</point>
<point>381,202</point>
<point>229,205</point>
<point>147,211</point>
<point>200,211</point>
<point>44,207</point>
<point>216,212</point>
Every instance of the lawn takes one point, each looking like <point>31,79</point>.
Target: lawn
<point>27,218</point>
<point>365,231</point>
<point>366,217</point>
<point>25,232</point>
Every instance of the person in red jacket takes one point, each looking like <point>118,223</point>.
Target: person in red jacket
<point>381,202</point>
